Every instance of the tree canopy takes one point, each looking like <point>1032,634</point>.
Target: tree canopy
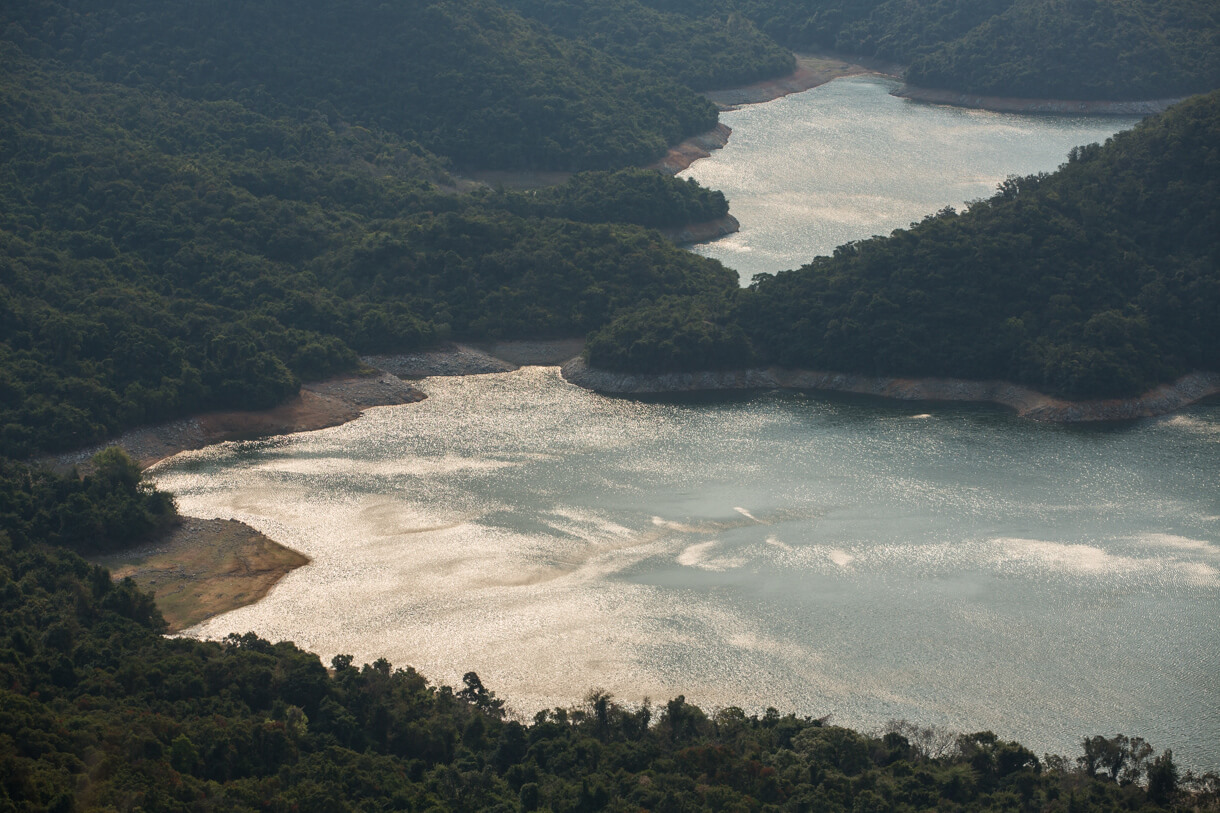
<point>163,255</point>
<point>1051,49</point>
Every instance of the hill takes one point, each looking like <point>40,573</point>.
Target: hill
<point>470,80</point>
<point>202,203</point>
<point>162,255</point>
<point>707,49</point>
<point>1051,49</point>
<point>1101,279</point>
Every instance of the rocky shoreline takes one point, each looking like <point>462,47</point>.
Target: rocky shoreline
<point>681,156</point>
<point>1026,402</point>
<point>1007,104</point>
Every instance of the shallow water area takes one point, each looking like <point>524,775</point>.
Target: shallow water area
<point>846,160</point>
<point>872,560</point>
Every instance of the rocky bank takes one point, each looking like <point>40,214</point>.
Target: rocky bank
<point>1026,402</point>
<point>1007,104</point>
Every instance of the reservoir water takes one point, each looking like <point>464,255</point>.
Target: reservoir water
<point>951,565</point>
<point>847,160</point>
<point>961,567</point>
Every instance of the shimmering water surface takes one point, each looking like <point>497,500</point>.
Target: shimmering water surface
<point>847,160</point>
<point>962,567</point>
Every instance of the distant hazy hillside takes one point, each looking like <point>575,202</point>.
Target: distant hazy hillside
<point>1067,49</point>
<point>1101,279</point>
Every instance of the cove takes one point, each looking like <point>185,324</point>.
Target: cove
<point>822,555</point>
<point>847,160</point>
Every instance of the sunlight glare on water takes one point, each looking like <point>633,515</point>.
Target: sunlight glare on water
<point>865,559</point>
<point>847,160</point>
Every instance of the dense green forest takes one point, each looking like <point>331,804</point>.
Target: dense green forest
<point>164,255</point>
<point>1100,279</point>
<point>1056,49</point>
<point>98,711</point>
<point>705,49</point>
<point>471,80</point>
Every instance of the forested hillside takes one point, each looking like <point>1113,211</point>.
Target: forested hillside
<point>162,255</point>
<point>470,80</point>
<point>1100,279</point>
<point>1056,49</point>
<point>710,47</point>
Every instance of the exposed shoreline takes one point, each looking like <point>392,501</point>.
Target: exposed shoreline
<point>201,568</point>
<point>319,405</point>
<point>1011,104</point>
<point>336,401</point>
<point>811,71</point>
<point>1027,403</point>
<point>205,567</point>
<point>682,155</point>
<point>702,232</point>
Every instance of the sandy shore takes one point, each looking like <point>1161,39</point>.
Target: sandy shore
<point>205,567</point>
<point>1026,402</point>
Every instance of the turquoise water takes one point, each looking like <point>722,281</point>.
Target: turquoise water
<point>847,160</point>
<point>830,556</point>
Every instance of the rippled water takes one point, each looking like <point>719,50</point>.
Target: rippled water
<point>847,160</point>
<point>840,556</point>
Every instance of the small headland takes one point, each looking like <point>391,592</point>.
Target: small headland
<point>204,567</point>
<point>702,232</point>
<point>1027,403</point>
